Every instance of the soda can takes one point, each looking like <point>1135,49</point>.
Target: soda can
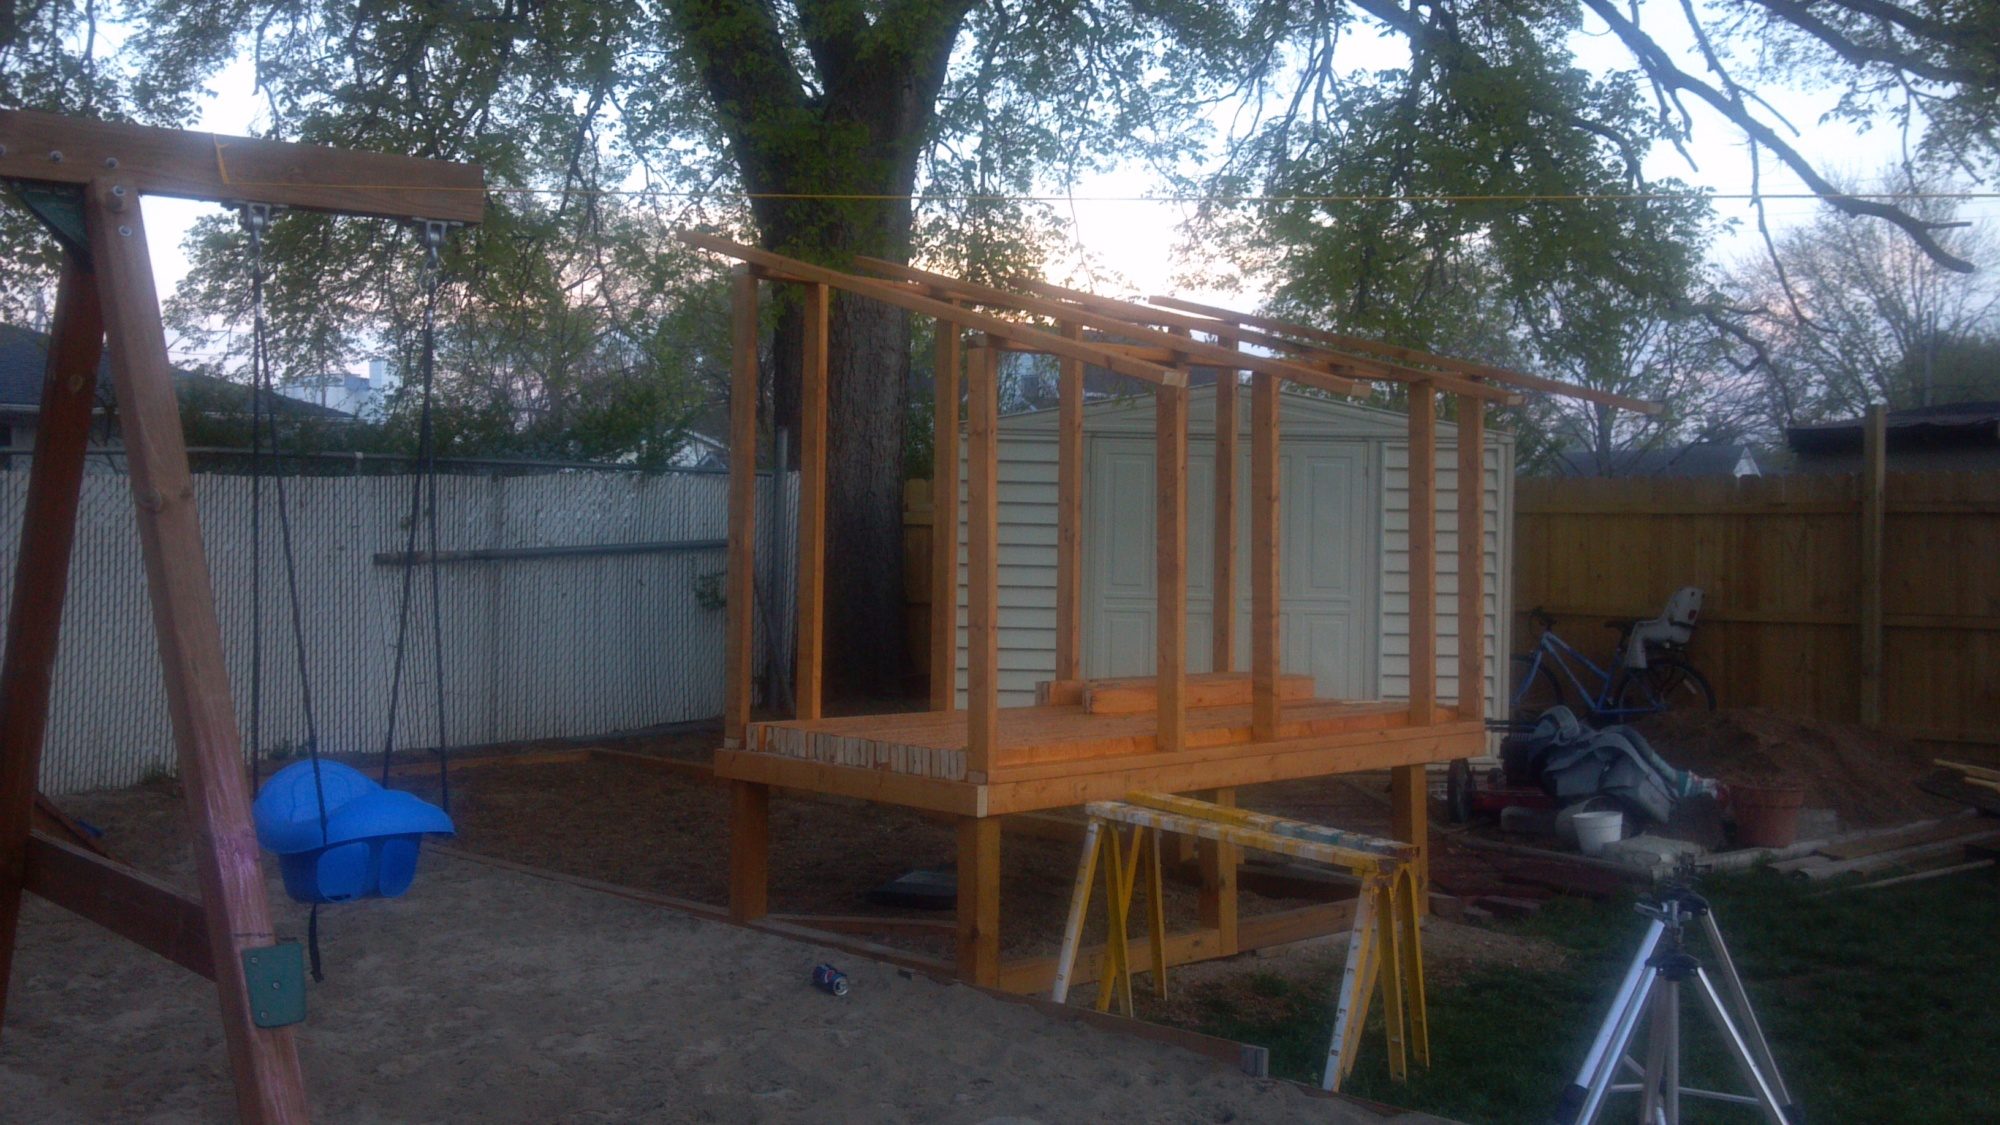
<point>826,978</point>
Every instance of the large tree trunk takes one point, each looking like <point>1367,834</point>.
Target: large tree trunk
<point>831,165</point>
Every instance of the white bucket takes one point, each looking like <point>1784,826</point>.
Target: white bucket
<point>1596,831</point>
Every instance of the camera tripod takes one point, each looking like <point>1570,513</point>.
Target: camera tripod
<point>1651,991</point>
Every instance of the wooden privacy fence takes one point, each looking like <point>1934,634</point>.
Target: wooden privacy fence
<point>1793,602</point>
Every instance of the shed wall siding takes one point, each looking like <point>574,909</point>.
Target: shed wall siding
<point>1027,515</point>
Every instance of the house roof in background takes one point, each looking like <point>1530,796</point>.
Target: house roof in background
<point>1957,424</point>
<point>1695,459</point>
<point>24,354</point>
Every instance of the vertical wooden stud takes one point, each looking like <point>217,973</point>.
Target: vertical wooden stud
<point>979,900</point>
<point>264,1061</point>
<point>982,701</point>
<point>1069,512</point>
<point>1471,558</point>
<point>811,638</point>
<point>944,521</point>
<point>1264,543</point>
<point>1170,573</point>
<point>1874,481</point>
<point>1409,821</point>
<point>749,850</point>
<point>1222,614</point>
<point>737,644</point>
<point>1218,904</point>
<point>1423,552</point>
<point>41,577</point>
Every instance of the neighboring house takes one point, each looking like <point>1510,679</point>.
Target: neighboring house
<point>699,451</point>
<point>358,395</point>
<point>24,358</point>
<point>1695,459</point>
<point>1344,560</point>
<point>1958,436</point>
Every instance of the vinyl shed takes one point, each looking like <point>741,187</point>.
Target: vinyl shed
<point>1344,550</point>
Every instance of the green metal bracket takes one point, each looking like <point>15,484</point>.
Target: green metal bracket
<point>276,975</point>
<point>60,208</point>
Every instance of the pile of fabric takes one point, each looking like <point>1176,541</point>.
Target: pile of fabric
<point>1572,761</point>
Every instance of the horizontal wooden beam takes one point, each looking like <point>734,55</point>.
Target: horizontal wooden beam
<point>1195,351</point>
<point>1413,355</point>
<point>1038,974</point>
<point>1335,363</point>
<point>888,293</point>
<point>128,902</point>
<point>52,148</point>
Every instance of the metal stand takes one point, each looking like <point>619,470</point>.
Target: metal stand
<point>1651,993</point>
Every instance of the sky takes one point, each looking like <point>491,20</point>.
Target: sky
<point>1136,239</point>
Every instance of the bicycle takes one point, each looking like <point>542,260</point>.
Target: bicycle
<point>1666,682</point>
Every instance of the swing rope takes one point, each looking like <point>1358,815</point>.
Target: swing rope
<point>263,424</point>
<point>423,485</point>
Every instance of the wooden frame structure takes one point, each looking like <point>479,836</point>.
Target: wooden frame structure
<point>85,179</point>
<point>1086,741</point>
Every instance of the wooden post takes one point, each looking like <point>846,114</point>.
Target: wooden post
<point>1874,480</point>
<point>264,1061</point>
<point>1408,806</point>
<point>749,850</point>
<point>1218,884</point>
<point>979,900</point>
<point>944,520</point>
<point>811,640</point>
<point>1423,553</point>
<point>982,628</point>
<point>1170,570</point>
<point>41,577</point>
<point>1222,584</point>
<point>1069,512</point>
<point>737,643</point>
<point>1265,526</point>
<point>1471,558</point>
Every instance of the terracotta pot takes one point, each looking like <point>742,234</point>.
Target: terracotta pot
<point>1767,816</point>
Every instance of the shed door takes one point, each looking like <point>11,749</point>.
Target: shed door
<point>1327,560</point>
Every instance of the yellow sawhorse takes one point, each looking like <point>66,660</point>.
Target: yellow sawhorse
<point>1385,915</point>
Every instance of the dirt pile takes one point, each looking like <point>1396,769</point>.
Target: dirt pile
<point>1866,777</point>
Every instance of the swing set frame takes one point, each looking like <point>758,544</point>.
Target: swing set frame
<point>85,180</point>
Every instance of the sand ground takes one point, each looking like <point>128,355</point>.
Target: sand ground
<point>492,996</point>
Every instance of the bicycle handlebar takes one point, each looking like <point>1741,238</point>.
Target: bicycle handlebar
<point>1542,617</point>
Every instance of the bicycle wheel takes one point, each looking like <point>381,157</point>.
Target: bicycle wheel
<point>1533,696</point>
<point>1666,683</point>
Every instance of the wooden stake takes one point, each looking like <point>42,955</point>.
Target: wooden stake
<point>982,701</point>
<point>1265,525</point>
<point>1423,553</point>
<point>749,850</point>
<point>812,503</point>
<point>944,520</point>
<point>1874,479</point>
<point>41,577</point>
<point>1222,585</point>
<point>979,900</point>
<point>1218,902</point>
<point>1170,535</point>
<point>1471,558</point>
<point>265,1061</point>
<point>737,643</point>
<point>1069,512</point>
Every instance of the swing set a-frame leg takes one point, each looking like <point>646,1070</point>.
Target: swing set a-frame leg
<point>264,1060</point>
<point>48,528</point>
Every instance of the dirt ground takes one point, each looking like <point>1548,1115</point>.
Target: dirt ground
<point>487,995</point>
<point>1869,779</point>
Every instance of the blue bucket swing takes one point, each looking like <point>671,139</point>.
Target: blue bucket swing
<point>368,847</point>
<point>339,835</point>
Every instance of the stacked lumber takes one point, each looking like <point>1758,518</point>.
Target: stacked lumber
<point>1924,850</point>
<point>1977,776</point>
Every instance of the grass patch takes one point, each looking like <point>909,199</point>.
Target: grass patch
<point>1876,1004</point>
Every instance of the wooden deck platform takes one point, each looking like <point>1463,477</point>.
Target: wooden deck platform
<point>1061,754</point>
